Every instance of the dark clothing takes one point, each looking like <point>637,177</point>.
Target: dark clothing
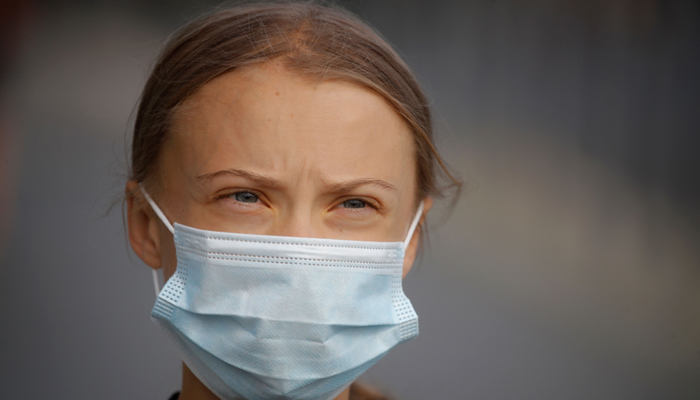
<point>174,396</point>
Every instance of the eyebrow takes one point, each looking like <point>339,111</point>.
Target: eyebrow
<point>355,183</point>
<point>271,182</point>
<point>251,176</point>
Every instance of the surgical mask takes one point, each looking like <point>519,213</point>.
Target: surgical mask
<point>274,317</point>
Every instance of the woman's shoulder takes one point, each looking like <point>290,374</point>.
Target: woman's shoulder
<point>175,396</point>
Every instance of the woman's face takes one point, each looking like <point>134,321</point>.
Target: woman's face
<point>264,151</point>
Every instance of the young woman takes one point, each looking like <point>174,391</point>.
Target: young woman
<point>282,165</point>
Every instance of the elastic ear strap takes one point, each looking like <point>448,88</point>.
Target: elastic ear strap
<point>156,286</point>
<point>155,208</point>
<point>167,224</point>
<point>414,224</point>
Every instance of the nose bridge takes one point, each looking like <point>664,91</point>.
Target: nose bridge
<point>298,221</point>
<point>299,217</point>
<point>299,227</point>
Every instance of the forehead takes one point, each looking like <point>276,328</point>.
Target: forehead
<point>270,120</point>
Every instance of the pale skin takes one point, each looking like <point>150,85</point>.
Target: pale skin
<point>264,151</point>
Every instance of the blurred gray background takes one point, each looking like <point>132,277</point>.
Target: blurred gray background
<point>570,268</point>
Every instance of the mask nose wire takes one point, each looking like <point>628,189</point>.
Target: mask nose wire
<point>167,224</point>
<point>413,226</point>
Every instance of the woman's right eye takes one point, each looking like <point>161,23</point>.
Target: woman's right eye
<point>246,197</point>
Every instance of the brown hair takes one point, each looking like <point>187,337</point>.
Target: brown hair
<point>314,41</point>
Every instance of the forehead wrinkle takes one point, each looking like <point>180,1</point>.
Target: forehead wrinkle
<point>249,175</point>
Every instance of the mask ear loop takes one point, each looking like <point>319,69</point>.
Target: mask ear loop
<point>157,210</point>
<point>413,226</point>
<point>167,224</point>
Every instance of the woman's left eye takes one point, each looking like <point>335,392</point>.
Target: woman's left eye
<point>246,197</point>
<point>353,203</point>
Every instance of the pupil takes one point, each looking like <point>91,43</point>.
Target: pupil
<point>246,197</point>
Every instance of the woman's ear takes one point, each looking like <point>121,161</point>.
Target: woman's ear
<point>143,226</point>
<point>412,249</point>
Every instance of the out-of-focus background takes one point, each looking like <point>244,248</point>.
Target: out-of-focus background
<point>570,269</point>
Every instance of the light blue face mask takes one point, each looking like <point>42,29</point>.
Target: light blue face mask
<point>272,317</point>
